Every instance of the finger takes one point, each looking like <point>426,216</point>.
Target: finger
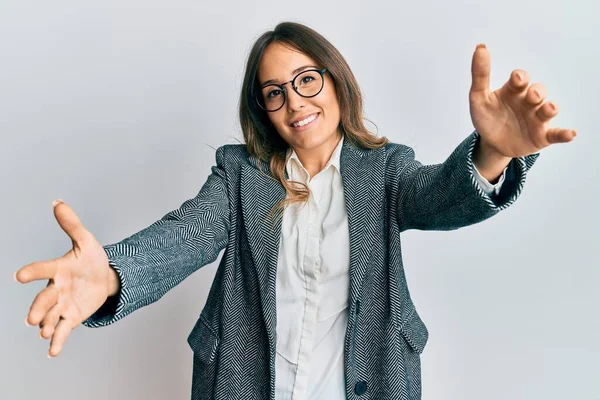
<point>70,222</point>
<point>536,94</point>
<point>38,270</point>
<point>518,81</point>
<point>480,69</point>
<point>547,111</point>
<point>44,301</point>
<point>49,323</point>
<point>559,135</point>
<point>61,332</point>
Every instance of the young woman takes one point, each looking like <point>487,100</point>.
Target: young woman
<point>310,299</point>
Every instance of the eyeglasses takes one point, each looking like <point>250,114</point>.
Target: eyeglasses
<point>307,84</point>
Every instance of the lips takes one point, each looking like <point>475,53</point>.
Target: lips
<point>304,121</point>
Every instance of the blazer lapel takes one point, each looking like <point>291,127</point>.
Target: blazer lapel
<point>363,179</point>
<point>259,194</point>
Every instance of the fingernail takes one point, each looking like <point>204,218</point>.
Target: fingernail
<point>40,334</point>
<point>15,276</point>
<point>519,76</point>
<point>55,202</point>
<point>27,323</point>
<point>49,356</point>
<point>481,46</point>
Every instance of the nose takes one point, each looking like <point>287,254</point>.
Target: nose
<point>294,101</point>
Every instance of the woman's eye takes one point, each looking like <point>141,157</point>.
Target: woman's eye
<point>307,79</point>
<point>273,93</point>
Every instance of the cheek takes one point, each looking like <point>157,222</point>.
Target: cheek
<point>278,122</point>
<point>277,119</point>
<point>334,109</point>
<point>331,103</point>
<point>274,118</point>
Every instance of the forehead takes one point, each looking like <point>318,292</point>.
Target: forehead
<point>279,61</point>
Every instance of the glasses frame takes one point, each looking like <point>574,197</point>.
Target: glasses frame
<point>320,71</point>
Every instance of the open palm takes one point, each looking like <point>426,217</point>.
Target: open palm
<point>78,282</point>
<point>515,119</point>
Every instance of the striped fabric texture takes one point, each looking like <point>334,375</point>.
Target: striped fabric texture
<point>233,341</point>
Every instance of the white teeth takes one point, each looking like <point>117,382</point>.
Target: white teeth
<point>304,121</point>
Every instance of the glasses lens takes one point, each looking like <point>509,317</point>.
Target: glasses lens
<point>309,83</point>
<point>272,97</point>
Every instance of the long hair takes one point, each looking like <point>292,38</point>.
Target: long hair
<point>262,139</point>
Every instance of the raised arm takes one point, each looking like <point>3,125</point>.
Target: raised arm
<point>511,127</point>
<point>448,196</point>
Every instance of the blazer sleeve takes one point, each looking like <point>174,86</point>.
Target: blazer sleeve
<point>151,262</point>
<point>447,196</point>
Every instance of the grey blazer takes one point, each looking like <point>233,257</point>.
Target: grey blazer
<point>386,192</point>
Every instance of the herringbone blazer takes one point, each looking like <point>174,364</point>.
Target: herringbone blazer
<point>234,339</point>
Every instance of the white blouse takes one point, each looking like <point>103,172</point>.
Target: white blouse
<point>312,285</point>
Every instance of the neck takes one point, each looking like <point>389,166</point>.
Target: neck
<point>314,160</point>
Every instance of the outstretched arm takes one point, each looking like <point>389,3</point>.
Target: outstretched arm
<point>154,260</point>
<point>511,127</point>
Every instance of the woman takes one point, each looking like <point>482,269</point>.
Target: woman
<point>310,298</point>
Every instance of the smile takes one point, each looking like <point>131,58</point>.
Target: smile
<point>306,121</point>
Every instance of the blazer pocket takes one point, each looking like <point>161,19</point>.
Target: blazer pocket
<point>414,331</point>
<point>203,341</point>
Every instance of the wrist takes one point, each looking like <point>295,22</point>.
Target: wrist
<point>114,283</point>
<point>489,162</point>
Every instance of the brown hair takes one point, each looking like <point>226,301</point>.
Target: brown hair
<point>263,140</point>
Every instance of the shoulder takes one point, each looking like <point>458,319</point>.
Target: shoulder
<point>231,155</point>
<point>397,156</point>
<point>389,156</point>
<point>398,151</point>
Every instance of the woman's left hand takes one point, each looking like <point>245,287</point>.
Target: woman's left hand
<point>513,121</point>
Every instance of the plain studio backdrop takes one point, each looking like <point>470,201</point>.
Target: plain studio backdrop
<point>117,106</point>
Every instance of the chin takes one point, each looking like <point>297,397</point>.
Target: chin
<point>310,143</point>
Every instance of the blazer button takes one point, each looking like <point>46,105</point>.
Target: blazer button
<point>360,388</point>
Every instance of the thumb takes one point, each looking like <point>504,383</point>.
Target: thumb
<point>480,69</point>
<point>69,222</point>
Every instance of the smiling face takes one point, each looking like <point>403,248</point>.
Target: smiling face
<point>309,125</point>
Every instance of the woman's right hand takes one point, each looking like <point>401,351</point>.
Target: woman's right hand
<point>79,282</point>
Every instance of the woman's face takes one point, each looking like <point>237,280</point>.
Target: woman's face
<point>281,64</point>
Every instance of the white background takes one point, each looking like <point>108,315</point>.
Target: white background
<point>116,106</point>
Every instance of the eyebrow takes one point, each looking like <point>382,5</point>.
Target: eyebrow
<point>294,72</point>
